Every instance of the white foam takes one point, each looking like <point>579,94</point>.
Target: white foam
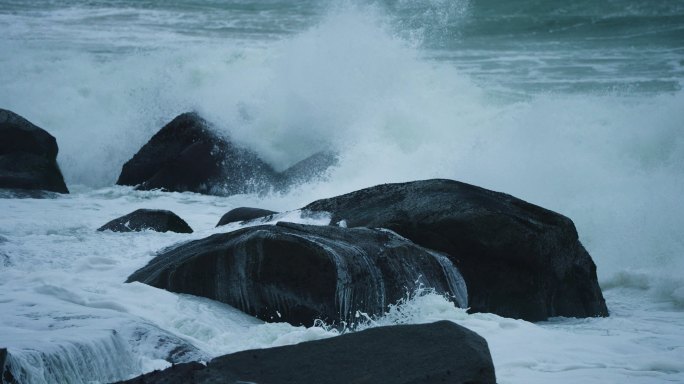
<point>641,342</point>
<point>63,295</point>
<point>63,298</point>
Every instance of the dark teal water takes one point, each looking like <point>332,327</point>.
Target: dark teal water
<point>533,45</point>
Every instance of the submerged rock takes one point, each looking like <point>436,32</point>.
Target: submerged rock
<point>309,168</point>
<point>243,214</point>
<point>28,156</point>
<point>299,273</point>
<point>441,352</point>
<point>151,219</point>
<point>518,260</point>
<point>91,358</point>
<point>188,155</point>
<point>4,258</point>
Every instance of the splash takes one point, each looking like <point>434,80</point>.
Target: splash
<point>355,82</point>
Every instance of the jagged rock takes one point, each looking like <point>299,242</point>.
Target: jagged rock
<point>518,260</point>
<point>28,156</point>
<point>187,155</point>
<point>151,219</point>
<point>243,214</point>
<point>441,352</point>
<point>299,273</point>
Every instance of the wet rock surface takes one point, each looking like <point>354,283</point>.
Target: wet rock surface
<point>187,155</point>
<point>28,156</point>
<point>299,273</point>
<point>441,352</point>
<point>148,219</point>
<point>518,260</point>
<point>243,214</point>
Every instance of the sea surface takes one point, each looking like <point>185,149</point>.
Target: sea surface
<point>574,106</point>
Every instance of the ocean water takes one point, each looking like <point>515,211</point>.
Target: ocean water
<point>577,107</point>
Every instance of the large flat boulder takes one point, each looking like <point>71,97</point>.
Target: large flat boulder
<point>187,155</point>
<point>28,156</point>
<point>299,273</point>
<point>441,352</point>
<point>158,220</point>
<point>518,260</point>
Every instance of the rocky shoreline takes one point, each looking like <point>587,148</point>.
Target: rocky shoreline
<point>486,251</point>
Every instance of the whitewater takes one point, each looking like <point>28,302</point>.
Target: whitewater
<point>575,107</point>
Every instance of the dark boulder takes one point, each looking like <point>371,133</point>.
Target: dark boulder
<point>28,156</point>
<point>148,219</point>
<point>300,273</point>
<point>518,260</point>
<point>441,352</point>
<point>188,155</point>
<point>243,214</point>
<point>180,374</point>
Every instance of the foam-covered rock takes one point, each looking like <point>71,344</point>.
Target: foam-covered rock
<point>148,219</point>
<point>299,273</point>
<point>101,358</point>
<point>441,352</point>
<point>519,260</point>
<point>308,169</point>
<point>28,156</point>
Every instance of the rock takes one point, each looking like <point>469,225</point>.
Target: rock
<point>187,155</point>
<point>243,214</point>
<point>153,219</point>
<point>6,376</point>
<point>93,357</point>
<point>518,260</point>
<point>299,273</point>
<point>155,343</point>
<point>180,374</point>
<point>28,156</point>
<point>309,169</point>
<point>441,352</point>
